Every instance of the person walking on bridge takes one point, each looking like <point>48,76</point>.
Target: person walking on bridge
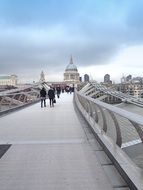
<point>58,89</point>
<point>43,97</point>
<point>51,95</point>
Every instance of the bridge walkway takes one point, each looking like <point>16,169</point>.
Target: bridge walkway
<point>52,148</point>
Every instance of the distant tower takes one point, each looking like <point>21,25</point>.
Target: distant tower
<point>107,78</point>
<point>123,79</point>
<point>86,78</point>
<point>80,79</point>
<point>129,78</point>
<point>42,77</point>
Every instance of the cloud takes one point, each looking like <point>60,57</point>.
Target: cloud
<point>94,33</point>
<point>21,47</point>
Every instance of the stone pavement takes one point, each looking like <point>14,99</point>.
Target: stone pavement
<point>51,149</point>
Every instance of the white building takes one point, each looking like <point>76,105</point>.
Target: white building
<point>10,80</point>
<point>136,89</point>
<point>71,75</point>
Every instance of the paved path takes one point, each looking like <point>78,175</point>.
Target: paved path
<point>50,151</point>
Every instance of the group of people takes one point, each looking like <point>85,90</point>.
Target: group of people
<point>69,89</point>
<point>51,96</point>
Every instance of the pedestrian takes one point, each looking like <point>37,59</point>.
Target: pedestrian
<point>67,89</point>
<point>43,97</point>
<point>58,89</point>
<point>70,89</point>
<point>51,96</point>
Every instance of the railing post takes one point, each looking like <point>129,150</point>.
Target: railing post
<point>118,130</point>
<point>138,129</point>
<point>104,119</point>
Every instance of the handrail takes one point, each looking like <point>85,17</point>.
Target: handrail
<point>115,115</point>
<point>91,110</point>
<point>138,119</point>
<point>124,97</point>
<point>18,99</point>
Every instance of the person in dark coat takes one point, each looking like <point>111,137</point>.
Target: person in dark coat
<point>58,89</point>
<point>43,97</point>
<point>51,95</point>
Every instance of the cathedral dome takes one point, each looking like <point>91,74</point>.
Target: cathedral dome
<point>71,75</point>
<point>71,66</point>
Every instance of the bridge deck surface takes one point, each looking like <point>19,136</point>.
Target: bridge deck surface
<point>50,150</point>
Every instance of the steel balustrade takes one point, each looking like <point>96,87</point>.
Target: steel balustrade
<point>18,99</point>
<point>124,97</point>
<point>120,125</point>
<point>21,95</point>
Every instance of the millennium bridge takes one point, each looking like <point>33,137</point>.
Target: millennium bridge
<point>92,139</point>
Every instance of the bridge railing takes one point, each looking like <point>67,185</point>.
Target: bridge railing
<point>20,97</point>
<point>118,94</point>
<point>14,100</point>
<point>114,128</point>
<point>123,127</point>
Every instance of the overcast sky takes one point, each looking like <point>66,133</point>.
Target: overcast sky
<point>103,36</point>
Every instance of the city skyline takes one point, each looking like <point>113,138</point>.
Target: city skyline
<point>102,36</point>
